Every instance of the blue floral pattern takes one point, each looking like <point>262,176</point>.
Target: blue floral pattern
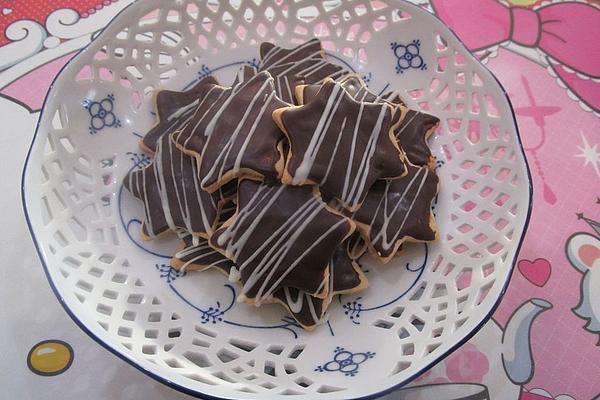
<point>169,273</point>
<point>408,56</point>
<point>345,362</point>
<point>101,113</point>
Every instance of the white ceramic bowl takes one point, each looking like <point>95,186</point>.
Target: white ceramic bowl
<point>187,331</point>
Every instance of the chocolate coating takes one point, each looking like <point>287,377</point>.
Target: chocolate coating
<point>272,55</point>
<point>397,210</point>
<point>173,109</point>
<point>281,236</point>
<point>345,276</point>
<point>340,144</point>
<point>170,191</point>
<point>196,254</point>
<point>356,88</point>
<point>238,137</point>
<point>412,135</point>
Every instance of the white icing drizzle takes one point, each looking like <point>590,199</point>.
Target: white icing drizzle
<point>355,179</point>
<point>277,244</point>
<point>284,89</point>
<point>266,95</point>
<point>290,56</point>
<point>392,208</point>
<point>184,204</point>
<point>296,305</point>
<point>313,66</point>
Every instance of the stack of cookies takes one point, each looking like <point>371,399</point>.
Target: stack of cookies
<point>285,179</point>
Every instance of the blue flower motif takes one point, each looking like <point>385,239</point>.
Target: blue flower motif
<point>408,56</point>
<point>101,113</point>
<point>352,309</point>
<point>345,361</point>
<point>169,273</point>
<point>140,160</point>
<point>204,72</point>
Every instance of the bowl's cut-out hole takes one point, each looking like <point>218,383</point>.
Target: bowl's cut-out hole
<point>104,309</point>
<point>173,363</point>
<point>418,323</point>
<point>174,333</point>
<point>397,312</point>
<point>463,280</point>
<point>221,375</point>
<point>474,132</point>
<point>304,382</point>
<point>440,43</point>
<point>439,290</point>
<point>243,345</point>
<point>416,296</point>
<point>129,315</point>
<point>408,349</point>
<point>295,353</point>
<point>226,356</point>
<point>269,368</point>
<point>198,359</point>
<point>403,333</point>
<point>289,369</point>
<point>383,324</point>
<point>275,349</point>
<point>202,330</point>
<point>124,331</point>
<point>151,333</point>
<point>149,349</point>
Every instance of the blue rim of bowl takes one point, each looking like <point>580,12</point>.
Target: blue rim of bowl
<point>199,394</point>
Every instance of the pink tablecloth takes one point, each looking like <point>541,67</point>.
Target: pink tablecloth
<point>558,113</point>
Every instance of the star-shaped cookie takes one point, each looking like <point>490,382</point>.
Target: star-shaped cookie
<point>173,110</point>
<point>412,134</point>
<point>398,210</point>
<point>281,236</point>
<point>273,55</point>
<point>306,61</point>
<point>355,86</point>
<point>238,138</point>
<point>284,84</point>
<point>414,129</point>
<point>340,144</point>
<point>345,276</point>
<point>195,254</point>
<point>170,191</point>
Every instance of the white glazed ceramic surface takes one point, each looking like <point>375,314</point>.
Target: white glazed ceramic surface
<point>187,330</point>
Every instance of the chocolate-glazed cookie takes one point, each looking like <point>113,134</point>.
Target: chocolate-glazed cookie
<point>398,210</point>
<point>340,144</point>
<point>306,61</point>
<point>355,246</point>
<point>196,255</point>
<point>281,236</point>
<point>412,134</point>
<point>355,86</point>
<point>345,276</point>
<point>239,139</point>
<point>171,194</point>
<point>244,73</point>
<point>284,84</point>
<point>173,110</point>
<point>312,70</point>
<point>272,55</point>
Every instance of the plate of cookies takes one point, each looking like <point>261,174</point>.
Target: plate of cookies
<point>272,199</point>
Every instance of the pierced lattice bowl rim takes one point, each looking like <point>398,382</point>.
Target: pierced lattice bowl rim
<point>104,294</point>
